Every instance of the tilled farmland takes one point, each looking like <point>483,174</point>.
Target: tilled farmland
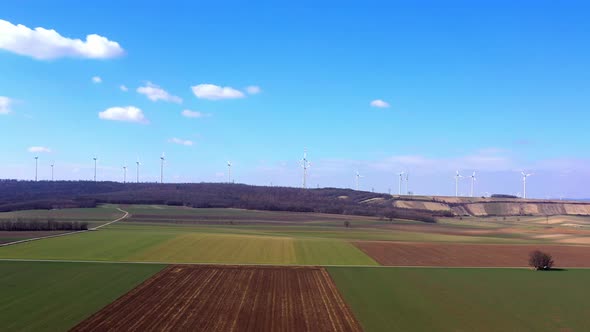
<point>229,298</point>
<point>469,255</point>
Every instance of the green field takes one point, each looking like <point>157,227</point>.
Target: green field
<point>94,216</point>
<point>189,245</point>
<point>47,296</point>
<point>432,299</point>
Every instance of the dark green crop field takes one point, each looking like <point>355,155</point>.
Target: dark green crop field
<point>52,296</point>
<point>436,299</point>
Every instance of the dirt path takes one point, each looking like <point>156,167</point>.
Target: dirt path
<point>69,233</point>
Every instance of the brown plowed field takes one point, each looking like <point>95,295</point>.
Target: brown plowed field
<point>229,298</point>
<point>469,255</point>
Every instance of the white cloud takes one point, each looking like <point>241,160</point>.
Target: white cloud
<point>5,103</point>
<point>180,141</point>
<point>123,88</point>
<point>47,44</point>
<point>97,79</point>
<point>216,92</point>
<point>379,103</point>
<point>193,114</point>
<point>39,149</point>
<point>253,89</point>
<point>127,114</point>
<point>155,93</point>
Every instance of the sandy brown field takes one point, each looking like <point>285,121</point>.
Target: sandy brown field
<point>229,298</point>
<point>469,255</point>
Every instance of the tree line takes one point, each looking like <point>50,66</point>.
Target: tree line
<point>20,224</point>
<point>21,195</point>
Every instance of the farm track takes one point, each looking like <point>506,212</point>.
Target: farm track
<point>229,298</point>
<point>69,233</point>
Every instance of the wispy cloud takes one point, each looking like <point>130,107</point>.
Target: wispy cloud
<point>193,114</point>
<point>5,105</point>
<point>180,141</point>
<point>216,92</point>
<point>126,114</point>
<point>47,44</point>
<point>379,103</point>
<point>123,88</point>
<point>155,93</point>
<point>253,90</point>
<point>39,149</point>
<point>96,79</point>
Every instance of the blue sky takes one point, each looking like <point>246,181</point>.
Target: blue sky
<point>491,86</point>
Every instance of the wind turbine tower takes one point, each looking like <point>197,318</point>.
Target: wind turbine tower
<point>401,179</point>
<point>358,176</point>
<point>407,182</point>
<point>305,164</point>
<point>524,176</point>
<point>137,163</point>
<point>36,166</point>
<point>94,168</point>
<point>457,178</point>
<point>52,164</point>
<point>125,174</point>
<point>229,171</point>
<point>473,179</point>
<point>162,158</point>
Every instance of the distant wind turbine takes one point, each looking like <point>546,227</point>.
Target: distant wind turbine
<point>407,182</point>
<point>473,179</point>
<point>457,177</point>
<point>124,173</point>
<point>95,168</point>
<point>162,158</point>
<point>229,171</point>
<point>305,164</point>
<point>401,179</point>
<point>358,176</point>
<point>52,164</point>
<point>138,163</point>
<point>36,166</point>
<point>524,176</point>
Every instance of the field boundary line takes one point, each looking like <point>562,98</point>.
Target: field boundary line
<point>68,233</point>
<point>282,265</point>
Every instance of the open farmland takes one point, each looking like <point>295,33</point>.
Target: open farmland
<point>426,299</point>
<point>211,216</point>
<point>189,245</point>
<point>469,255</point>
<point>53,296</point>
<point>229,298</point>
<point>93,216</point>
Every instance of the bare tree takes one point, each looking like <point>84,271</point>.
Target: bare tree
<point>540,260</point>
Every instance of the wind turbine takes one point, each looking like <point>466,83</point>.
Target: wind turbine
<point>124,173</point>
<point>229,171</point>
<point>52,164</point>
<point>457,177</point>
<point>305,164</point>
<point>162,158</point>
<point>473,179</point>
<point>358,176</point>
<point>401,179</point>
<point>137,163</point>
<point>94,168</point>
<point>524,176</point>
<point>407,181</point>
<point>36,166</point>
